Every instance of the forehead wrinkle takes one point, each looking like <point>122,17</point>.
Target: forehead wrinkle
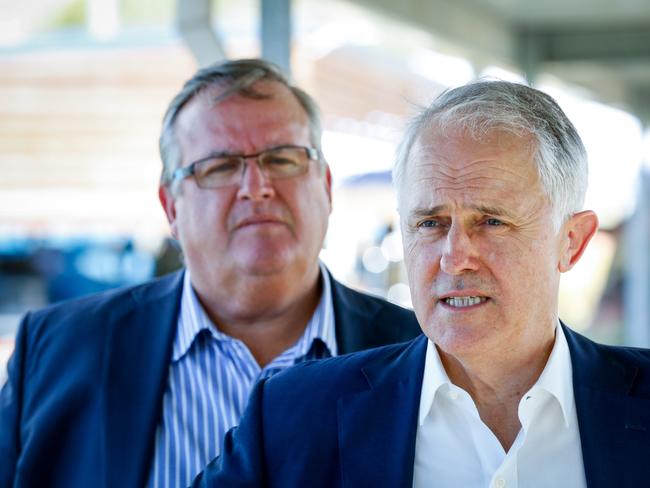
<point>428,148</point>
<point>236,133</point>
<point>478,166</point>
<point>463,187</point>
<point>447,170</point>
<point>475,180</point>
<point>439,183</point>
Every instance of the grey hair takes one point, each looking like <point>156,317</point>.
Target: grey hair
<point>235,77</point>
<point>483,107</point>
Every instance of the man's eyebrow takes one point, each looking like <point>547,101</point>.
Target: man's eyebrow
<point>220,154</point>
<point>420,212</point>
<point>226,153</point>
<point>214,155</point>
<point>492,210</point>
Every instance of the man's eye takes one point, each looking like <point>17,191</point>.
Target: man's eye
<point>222,166</point>
<point>278,161</point>
<point>493,222</point>
<point>429,223</point>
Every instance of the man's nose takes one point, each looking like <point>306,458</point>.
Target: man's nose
<point>255,185</point>
<point>459,253</point>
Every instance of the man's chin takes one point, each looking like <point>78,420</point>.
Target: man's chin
<point>460,340</point>
<point>262,262</point>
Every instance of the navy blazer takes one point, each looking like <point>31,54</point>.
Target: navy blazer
<point>351,421</point>
<point>86,381</point>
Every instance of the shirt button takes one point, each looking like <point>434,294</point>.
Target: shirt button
<point>499,482</point>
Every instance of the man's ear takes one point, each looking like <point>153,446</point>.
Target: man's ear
<point>578,231</point>
<point>328,183</point>
<point>168,203</point>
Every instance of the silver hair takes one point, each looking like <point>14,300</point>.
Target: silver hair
<point>233,77</point>
<point>483,107</point>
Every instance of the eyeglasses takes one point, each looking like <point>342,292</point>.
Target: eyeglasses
<point>227,169</point>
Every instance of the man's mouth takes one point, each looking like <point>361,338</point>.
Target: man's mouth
<point>258,221</point>
<point>464,302</point>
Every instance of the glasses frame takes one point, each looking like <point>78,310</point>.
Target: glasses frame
<point>190,170</point>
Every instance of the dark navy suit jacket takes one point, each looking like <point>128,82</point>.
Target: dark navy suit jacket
<point>86,381</point>
<point>351,421</point>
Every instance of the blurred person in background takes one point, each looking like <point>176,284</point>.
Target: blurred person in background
<point>491,179</point>
<point>136,387</point>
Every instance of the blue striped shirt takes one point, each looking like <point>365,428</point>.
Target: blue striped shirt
<point>210,378</point>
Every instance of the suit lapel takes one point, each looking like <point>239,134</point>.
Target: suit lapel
<point>363,322</point>
<point>352,319</point>
<point>614,425</point>
<point>136,369</point>
<point>377,426</point>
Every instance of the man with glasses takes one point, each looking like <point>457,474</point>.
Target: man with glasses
<point>137,387</point>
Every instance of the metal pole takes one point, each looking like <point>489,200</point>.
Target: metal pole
<point>636,292</point>
<point>193,21</point>
<point>276,33</point>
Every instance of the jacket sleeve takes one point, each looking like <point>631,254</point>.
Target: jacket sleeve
<point>10,409</point>
<point>241,463</point>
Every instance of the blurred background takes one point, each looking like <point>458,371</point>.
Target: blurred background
<point>84,85</point>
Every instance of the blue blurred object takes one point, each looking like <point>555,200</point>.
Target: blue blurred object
<point>67,268</point>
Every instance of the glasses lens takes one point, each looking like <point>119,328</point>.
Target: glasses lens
<point>281,162</point>
<point>284,162</point>
<point>216,172</point>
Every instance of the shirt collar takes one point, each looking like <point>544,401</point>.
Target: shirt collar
<point>321,323</point>
<point>193,320</point>
<point>434,378</point>
<point>556,378</point>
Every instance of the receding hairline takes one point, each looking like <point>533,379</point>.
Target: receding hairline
<point>210,97</point>
<point>457,129</point>
<point>524,140</point>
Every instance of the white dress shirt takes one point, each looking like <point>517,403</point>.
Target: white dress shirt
<point>454,448</point>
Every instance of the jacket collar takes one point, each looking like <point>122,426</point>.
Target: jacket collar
<point>614,420</point>
<point>383,420</point>
<point>351,318</point>
<point>612,403</point>
<point>139,338</point>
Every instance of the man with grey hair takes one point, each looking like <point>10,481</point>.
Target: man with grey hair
<point>499,392</point>
<point>137,387</point>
